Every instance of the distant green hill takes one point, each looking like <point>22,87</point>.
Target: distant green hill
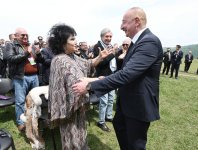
<point>185,49</point>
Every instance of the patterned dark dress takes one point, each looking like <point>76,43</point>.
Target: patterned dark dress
<point>67,110</point>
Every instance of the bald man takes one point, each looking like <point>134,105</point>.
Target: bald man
<point>22,69</point>
<point>137,82</point>
<point>122,52</point>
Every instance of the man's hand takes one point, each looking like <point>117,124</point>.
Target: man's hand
<point>115,48</point>
<point>101,77</point>
<point>80,87</point>
<point>37,49</point>
<point>105,52</point>
<point>29,48</point>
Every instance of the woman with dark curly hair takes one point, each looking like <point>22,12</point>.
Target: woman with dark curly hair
<point>66,109</point>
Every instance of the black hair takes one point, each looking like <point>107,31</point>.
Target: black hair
<point>58,36</point>
<point>179,46</point>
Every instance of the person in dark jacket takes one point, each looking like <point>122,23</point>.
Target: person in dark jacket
<point>188,61</point>
<point>105,68</point>
<point>167,61</point>
<point>176,58</point>
<point>47,56</point>
<point>83,49</point>
<point>3,62</point>
<point>23,70</point>
<point>122,52</point>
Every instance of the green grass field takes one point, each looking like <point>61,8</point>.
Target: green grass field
<point>176,130</point>
<point>193,67</point>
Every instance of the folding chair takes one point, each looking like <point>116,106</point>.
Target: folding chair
<point>6,140</point>
<point>93,101</point>
<point>5,88</point>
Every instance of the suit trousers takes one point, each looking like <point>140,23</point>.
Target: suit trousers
<point>187,66</point>
<point>176,68</point>
<point>166,67</point>
<point>131,133</point>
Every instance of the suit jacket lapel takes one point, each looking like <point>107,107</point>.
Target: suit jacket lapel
<point>133,45</point>
<point>127,54</point>
<point>143,34</point>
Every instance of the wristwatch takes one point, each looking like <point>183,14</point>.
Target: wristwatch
<point>88,87</point>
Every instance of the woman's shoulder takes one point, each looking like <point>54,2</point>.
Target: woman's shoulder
<point>58,59</point>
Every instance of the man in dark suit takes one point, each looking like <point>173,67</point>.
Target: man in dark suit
<point>47,56</point>
<point>188,61</point>
<point>137,80</point>
<point>167,61</point>
<point>176,57</point>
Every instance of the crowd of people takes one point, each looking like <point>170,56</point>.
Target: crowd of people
<point>174,59</point>
<point>72,70</point>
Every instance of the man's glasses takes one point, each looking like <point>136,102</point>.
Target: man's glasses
<point>125,44</point>
<point>23,35</point>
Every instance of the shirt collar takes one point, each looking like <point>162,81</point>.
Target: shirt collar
<point>137,35</point>
<point>104,45</point>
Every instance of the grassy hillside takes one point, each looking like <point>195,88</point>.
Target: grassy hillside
<point>176,130</point>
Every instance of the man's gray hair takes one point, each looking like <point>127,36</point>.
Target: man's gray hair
<point>104,31</point>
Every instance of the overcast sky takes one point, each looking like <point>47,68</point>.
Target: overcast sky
<point>173,21</point>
